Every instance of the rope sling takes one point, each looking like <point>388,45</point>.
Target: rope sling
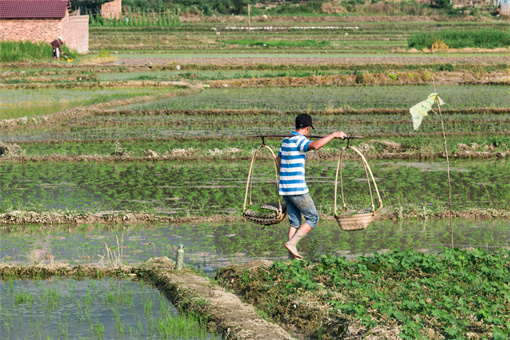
<point>351,220</point>
<point>269,213</point>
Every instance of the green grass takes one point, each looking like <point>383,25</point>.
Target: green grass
<point>19,51</point>
<point>477,38</point>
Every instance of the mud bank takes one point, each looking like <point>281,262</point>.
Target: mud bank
<point>95,85</point>
<point>398,78</point>
<point>189,292</point>
<point>10,220</point>
<point>167,156</point>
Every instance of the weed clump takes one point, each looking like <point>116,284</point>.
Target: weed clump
<point>9,150</point>
<point>481,38</point>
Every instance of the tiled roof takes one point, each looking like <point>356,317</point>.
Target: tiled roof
<point>32,9</point>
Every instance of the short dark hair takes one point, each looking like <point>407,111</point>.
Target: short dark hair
<point>303,120</point>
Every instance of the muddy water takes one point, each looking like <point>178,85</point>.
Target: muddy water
<point>191,189</point>
<point>212,245</point>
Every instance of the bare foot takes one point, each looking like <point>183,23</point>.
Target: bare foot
<point>293,250</point>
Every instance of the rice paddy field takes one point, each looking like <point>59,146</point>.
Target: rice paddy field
<point>109,167</point>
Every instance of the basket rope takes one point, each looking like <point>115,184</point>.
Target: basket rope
<point>368,172</point>
<point>249,182</point>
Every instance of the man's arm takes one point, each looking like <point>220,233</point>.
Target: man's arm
<point>278,163</point>
<point>316,145</point>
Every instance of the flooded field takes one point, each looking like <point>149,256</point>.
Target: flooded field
<point>66,308</point>
<point>210,246</point>
<point>114,163</point>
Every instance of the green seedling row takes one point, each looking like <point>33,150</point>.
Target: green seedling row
<point>323,98</point>
<point>178,188</point>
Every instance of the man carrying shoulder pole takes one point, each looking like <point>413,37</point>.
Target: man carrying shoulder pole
<point>291,164</point>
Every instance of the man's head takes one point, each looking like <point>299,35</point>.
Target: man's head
<point>60,38</point>
<point>304,121</point>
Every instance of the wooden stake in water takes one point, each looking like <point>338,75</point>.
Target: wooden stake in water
<point>180,258</point>
<point>447,166</point>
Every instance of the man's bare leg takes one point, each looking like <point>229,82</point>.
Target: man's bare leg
<point>291,245</point>
<point>291,233</point>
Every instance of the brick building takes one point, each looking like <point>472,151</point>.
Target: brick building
<point>43,20</point>
<point>112,9</point>
<point>106,8</point>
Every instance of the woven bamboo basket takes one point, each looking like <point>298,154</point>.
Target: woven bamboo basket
<point>275,215</point>
<point>351,220</point>
<point>276,211</point>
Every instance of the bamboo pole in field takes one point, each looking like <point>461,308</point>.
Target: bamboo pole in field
<point>249,19</point>
<point>447,166</point>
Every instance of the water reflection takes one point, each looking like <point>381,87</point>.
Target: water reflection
<point>212,245</point>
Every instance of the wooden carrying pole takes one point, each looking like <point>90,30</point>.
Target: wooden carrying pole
<point>447,165</point>
<point>307,136</point>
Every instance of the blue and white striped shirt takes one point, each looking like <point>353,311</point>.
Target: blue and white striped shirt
<point>292,169</point>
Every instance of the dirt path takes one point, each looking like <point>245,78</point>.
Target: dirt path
<point>252,59</point>
<point>235,319</point>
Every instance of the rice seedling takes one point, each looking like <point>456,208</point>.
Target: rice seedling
<point>142,322</point>
<point>323,98</point>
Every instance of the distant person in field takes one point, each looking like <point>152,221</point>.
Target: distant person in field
<point>57,47</point>
<point>291,164</point>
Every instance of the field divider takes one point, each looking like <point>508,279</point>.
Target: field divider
<point>14,220</point>
<point>224,312</point>
<point>318,156</point>
<point>256,112</point>
<point>94,85</point>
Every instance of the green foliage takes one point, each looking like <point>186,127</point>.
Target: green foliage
<point>18,51</point>
<point>443,4</point>
<point>423,293</point>
<point>300,8</point>
<point>446,67</point>
<point>481,38</point>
